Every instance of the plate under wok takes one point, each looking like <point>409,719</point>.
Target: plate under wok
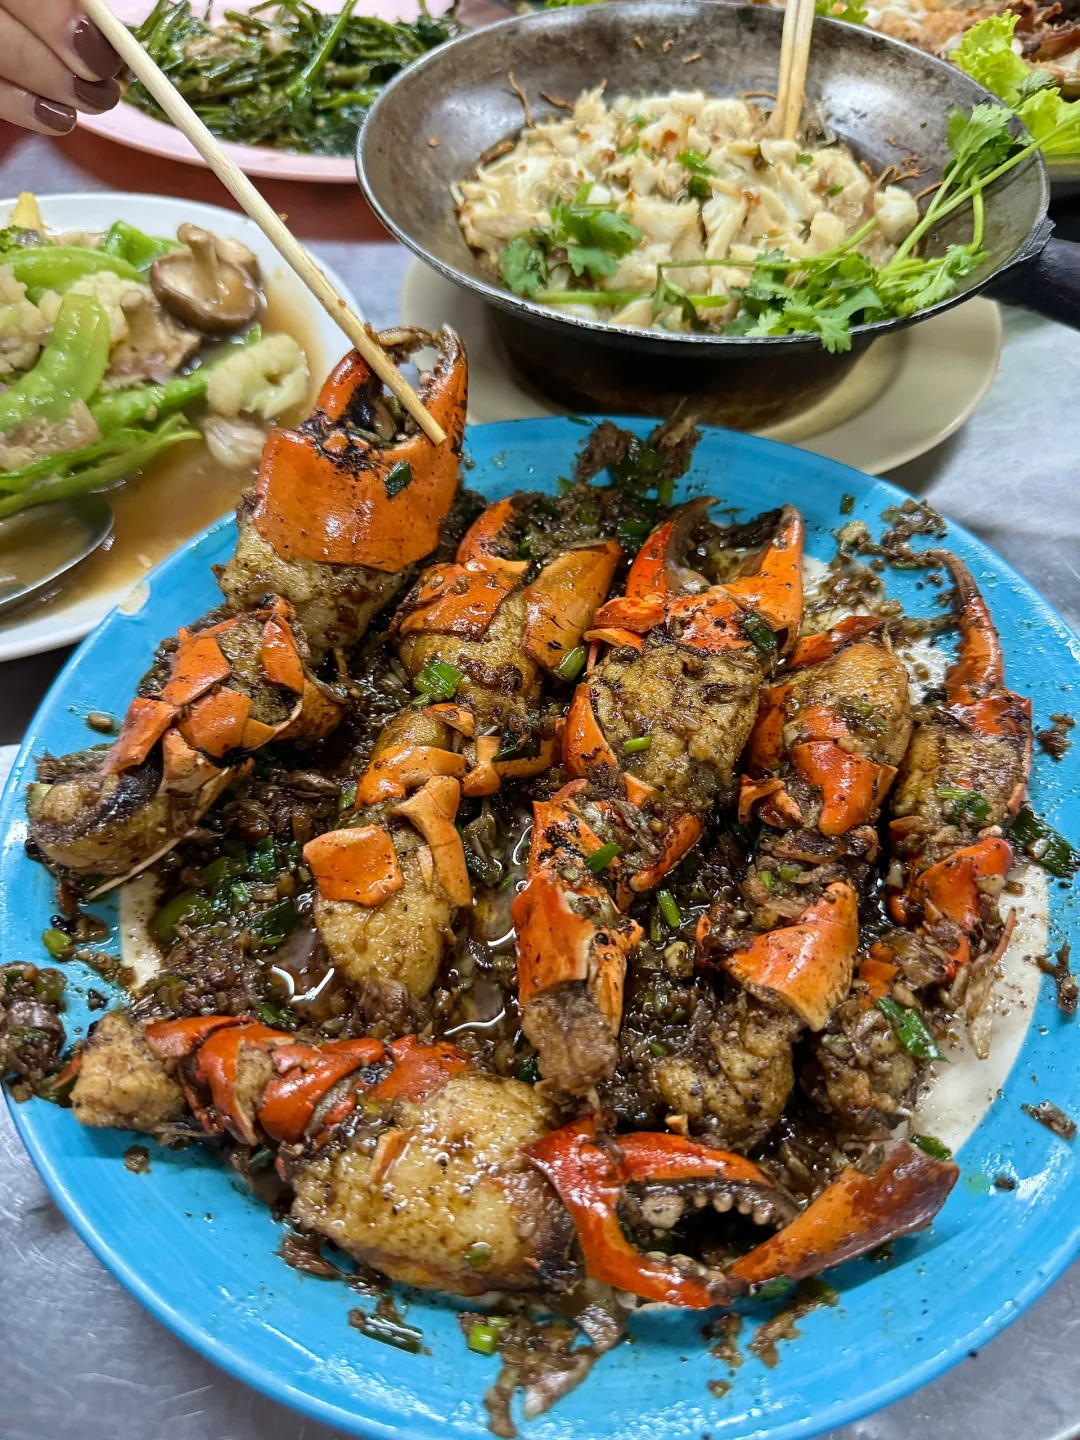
<point>198,1252</point>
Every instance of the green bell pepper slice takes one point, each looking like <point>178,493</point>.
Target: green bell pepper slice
<point>137,248</point>
<point>70,367</point>
<point>57,267</point>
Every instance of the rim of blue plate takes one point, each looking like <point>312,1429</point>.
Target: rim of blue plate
<point>234,1361</point>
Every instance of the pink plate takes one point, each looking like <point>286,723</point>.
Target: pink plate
<point>129,126</point>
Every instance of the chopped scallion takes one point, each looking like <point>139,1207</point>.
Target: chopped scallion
<point>572,663</point>
<point>439,680</point>
<point>602,858</point>
<point>669,908</point>
<point>910,1029</point>
<point>932,1146</point>
<point>57,943</point>
<point>484,1335</point>
<point>637,744</point>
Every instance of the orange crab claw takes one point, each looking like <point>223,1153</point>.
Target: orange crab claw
<point>420,1068</point>
<point>771,583</point>
<point>356,865</point>
<point>712,621</point>
<point>812,649</point>
<point>630,613</point>
<point>765,748</point>
<point>326,494</point>
<point>218,1065</point>
<point>851,787</point>
<point>548,754</point>
<point>585,747</point>
<point>561,602</point>
<point>400,768</point>
<point>809,964</point>
<point>681,836</point>
<point>852,1216</point>
<point>304,1076</point>
<point>487,536</point>
<point>660,1155</point>
<point>453,600</point>
<point>174,1039</point>
<point>781,811</point>
<point>433,810</point>
<point>483,778</point>
<point>144,724</point>
<point>215,724</point>
<point>198,665</point>
<point>608,635</point>
<point>280,657</point>
<point>588,1181</point>
<point>560,941</point>
<point>878,973</point>
<point>951,890</point>
<point>316,715</point>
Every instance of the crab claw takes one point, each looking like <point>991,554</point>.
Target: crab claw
<point>326,493</point>
<point>304,1075</point>
<point>854,1215</point>
<point>572,948</point>
<point>807,965</point>
<point>951,891</point>
<point>589,1179</point>
<point>561,602</point>
<point>771,583</point>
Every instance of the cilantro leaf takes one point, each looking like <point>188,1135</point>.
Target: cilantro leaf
<point>668,293</point>
<point>588,260</point>
<point>936,281</point>
<point>695,161</point>
<point>850,10</point>
<point>977,142</point>
<point>524,266</point>
<point>596,227</point>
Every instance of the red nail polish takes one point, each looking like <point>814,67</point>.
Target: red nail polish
<point>60,119</point>
<point>94,50</point>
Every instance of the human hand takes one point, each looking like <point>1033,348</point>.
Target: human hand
<point>53,61</point>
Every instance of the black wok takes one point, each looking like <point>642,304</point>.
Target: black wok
<point>885,99</point>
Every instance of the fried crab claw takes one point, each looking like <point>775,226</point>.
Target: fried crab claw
<point>498,624</point>
<point>596,1178</point>
<point>669,703</point>
<point>233,687</point>
<point>330,492</point>
<point>347,504</point>
<point>965,774</point>
<point>401,1152</point>
<point>572,949</point>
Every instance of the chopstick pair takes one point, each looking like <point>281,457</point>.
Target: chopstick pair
<point>794,58</point>
<point>242,190</point>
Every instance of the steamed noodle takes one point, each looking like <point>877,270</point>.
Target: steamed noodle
<point>696,176</point>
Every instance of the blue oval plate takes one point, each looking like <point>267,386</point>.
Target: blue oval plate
<point>189,1242</point>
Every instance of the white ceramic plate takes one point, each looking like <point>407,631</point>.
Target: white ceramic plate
<point>130,126</point>
<point>910,392</point>
<point>89,596</point>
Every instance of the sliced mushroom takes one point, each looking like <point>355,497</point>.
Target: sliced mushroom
<point>210,284</point>
<point>154,347</point>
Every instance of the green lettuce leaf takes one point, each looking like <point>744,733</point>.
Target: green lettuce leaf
<point>986,54</point>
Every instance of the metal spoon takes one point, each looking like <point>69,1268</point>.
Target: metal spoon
<point>44,542</point>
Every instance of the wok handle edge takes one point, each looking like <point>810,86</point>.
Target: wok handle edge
<point>1046,281</point>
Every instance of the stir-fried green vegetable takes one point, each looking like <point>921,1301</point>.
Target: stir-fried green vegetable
<point>282,74</point>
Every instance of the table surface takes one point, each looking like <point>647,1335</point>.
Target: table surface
<point>82,1360</point>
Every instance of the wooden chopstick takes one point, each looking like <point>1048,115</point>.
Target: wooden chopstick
<point>242,190</point>
<point>794,58</point>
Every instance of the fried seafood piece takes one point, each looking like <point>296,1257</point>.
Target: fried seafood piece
<point>498,621</point>
<point>121,1084</point>
<point>965,774</point>
<point>683,664</point>
<point>231,688</point>
<point>734,1084</point>
<point>439,1194</point>
<point>855,1214</point>
<point>346,505</point>
<point>860,1073</point>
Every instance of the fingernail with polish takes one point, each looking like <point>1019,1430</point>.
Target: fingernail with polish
<point>94,50</point>
<point>95,94</point>
<point>57,118</point>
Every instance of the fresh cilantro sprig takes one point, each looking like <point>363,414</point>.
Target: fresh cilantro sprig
<point>589,238</point>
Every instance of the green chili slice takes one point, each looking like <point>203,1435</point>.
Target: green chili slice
<point>910,1029</point>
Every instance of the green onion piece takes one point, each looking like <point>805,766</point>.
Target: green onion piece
<point>273,926</point>
<point>572,663</point>
<point>637,744</point>
<point>665,491</point>
<point>263,861</point>
<point>657,932</point>
<point>758,633</point>
<point>804,159</point>
<point>766,878</point>
<point>439,680</point>
<point>847,502</point>
<point>217,870</point>
<point>965,803</point>
<point>239,896</point>
<point>188,907</point>
<point>932,1146</point>
<point>57,943</point>
<point>528,1071</point>
<point>670,910</point>
<point>602,858</point>
<point>347,798</point>
<point>400,1337</point>
<point>834,190</point>
<point>774,1288</point>
<point>657,1048</point>
<point>484,1335</point>
<point>400,476</point>
<point>271,1014</point>
<point>910,1029</point>
<point>478,1254</point>
<point>1044,845</point>
<point>698,187</point>
<point>789,873</point>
